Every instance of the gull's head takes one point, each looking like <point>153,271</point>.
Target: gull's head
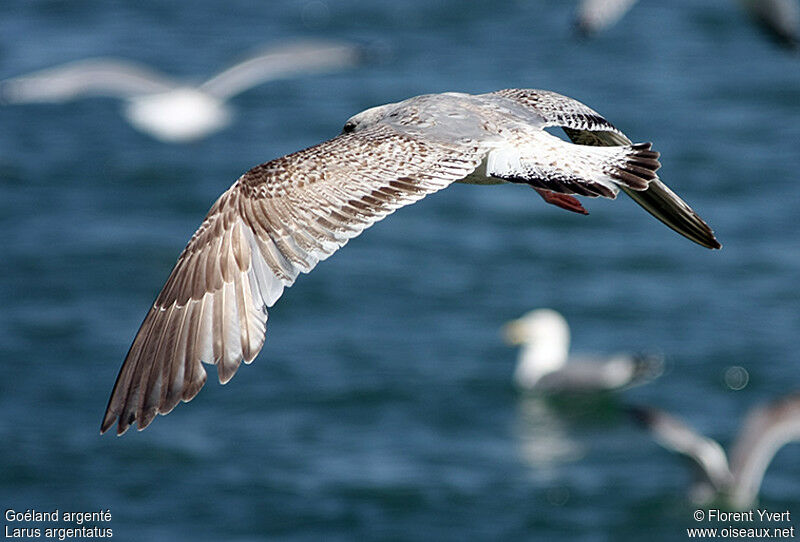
<point>179,115</point>
<point>537,326</point>
<point>367,118</point>
<point>544,337</point>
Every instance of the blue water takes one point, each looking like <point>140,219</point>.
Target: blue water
<point>381,407</point>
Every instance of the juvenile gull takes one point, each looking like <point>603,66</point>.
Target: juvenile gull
<point>766,430</point>
<point>544,363</point>
<point>164,108</point>
<point>284,216</point>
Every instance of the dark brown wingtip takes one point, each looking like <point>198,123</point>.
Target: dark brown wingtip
<point>146,418</point>
<point>713,243</point>
<point>116,414</point>
<point>105,426</point>
<point>109,421</point>
<point>638,168</point>
<point>666,206</point>
<point>110,417</point>
<point>659,200</point>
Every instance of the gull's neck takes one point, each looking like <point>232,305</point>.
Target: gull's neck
<point>536,359</point>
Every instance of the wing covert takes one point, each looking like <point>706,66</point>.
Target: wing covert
<point>279,219</point>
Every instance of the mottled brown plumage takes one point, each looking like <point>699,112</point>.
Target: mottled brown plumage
<point>282,217</point>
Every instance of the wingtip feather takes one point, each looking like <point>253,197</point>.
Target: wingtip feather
<point>666,206</point>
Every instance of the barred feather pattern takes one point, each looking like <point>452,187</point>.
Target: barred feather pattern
<point>559,110</point>
<point>279,219</point>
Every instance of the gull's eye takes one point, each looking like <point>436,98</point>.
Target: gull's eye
<point>349,127</point>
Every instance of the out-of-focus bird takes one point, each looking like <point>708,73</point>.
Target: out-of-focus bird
<point>593,16</point>
<point>545,365</point>
<point>780,19</point>
<point>766,430</point>
<point>167,109</point>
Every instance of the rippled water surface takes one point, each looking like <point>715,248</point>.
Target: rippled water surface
<point>381,406</point>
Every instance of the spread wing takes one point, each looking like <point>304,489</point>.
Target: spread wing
<point>277,220</point>
<point>307,56</point>
<point>674,435</point>
<point>765,431</point>
<point>92,77</point>
<point>585,126</point>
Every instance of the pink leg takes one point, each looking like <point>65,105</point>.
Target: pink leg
<point>562,200</point>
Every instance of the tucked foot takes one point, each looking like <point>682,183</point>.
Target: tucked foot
<point>562,200</point>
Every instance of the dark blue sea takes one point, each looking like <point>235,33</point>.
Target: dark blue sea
<point>382,406</point>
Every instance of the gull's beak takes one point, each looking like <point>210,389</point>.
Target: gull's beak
<point>512,333</point>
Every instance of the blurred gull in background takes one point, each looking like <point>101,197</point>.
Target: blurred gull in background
<point>169,110</point>
<point>544,363</point>
<point>595,16</point>
<point>780,19</point>
<point>766,430</point>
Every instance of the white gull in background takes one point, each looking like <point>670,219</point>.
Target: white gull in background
<point>281,218</point>
<point>766,430</point>
<point>544,363</point>
<point>169,110</point>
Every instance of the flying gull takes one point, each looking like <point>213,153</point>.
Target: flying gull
<point>766,430</point>
<point>282,217</point>
<point>168,110</point>
<point>544,363</point>
<point>779,19</point>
